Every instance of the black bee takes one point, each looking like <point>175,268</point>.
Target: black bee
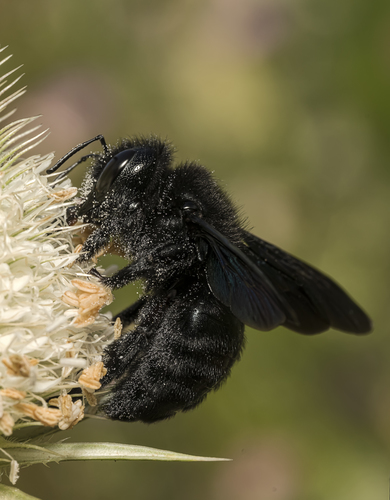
<point>205,278</point>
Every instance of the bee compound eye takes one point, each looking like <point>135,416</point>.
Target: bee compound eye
<point>112,170</point>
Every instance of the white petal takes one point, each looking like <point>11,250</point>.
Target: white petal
<point>34,345</point>
<point>75,362</point>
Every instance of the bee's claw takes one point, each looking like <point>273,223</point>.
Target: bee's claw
<point>95,273</point>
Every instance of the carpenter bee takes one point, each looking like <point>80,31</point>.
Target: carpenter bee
<point>205,278</point>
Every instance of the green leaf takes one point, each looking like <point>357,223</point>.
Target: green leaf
<point>58,452</point>
<point>11,493</point>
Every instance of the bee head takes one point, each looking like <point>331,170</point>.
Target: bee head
<point>130,168</point>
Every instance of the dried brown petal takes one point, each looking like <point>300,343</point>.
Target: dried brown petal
<point>13,393</point>
<point>90,397</point>
<point>72,413</point>
<point>19,365</point>
<point>6,424</point>
<point>89,378</point>
<point>91,301</point>
<point>117,328</point>
<point>63,194</point>
<point>14,471</point>
<point>78,248</point>
<point>65,402</point>
<point>47,416</point>
<point>87,286</point>
<point>95,308</point>
<point>71,353</point>
<point>27,409</point>
<point>89,298</point>
<point>70,298</point>
<point>84,320</point>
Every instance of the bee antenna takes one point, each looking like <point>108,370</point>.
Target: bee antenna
<point>75,150</point>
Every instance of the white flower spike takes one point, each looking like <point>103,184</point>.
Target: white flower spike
<point>52,334</point>
<point>50,325</point>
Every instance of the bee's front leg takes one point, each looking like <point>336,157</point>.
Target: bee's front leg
<point>132,272</point>
<point>94,244</point>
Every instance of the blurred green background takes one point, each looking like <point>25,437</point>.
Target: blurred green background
<point>288,103</point>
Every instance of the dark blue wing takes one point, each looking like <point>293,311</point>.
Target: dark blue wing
<point>239,283</point>
<point>247,293</point>
<point>266,287</point>
<point>318,302</point>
